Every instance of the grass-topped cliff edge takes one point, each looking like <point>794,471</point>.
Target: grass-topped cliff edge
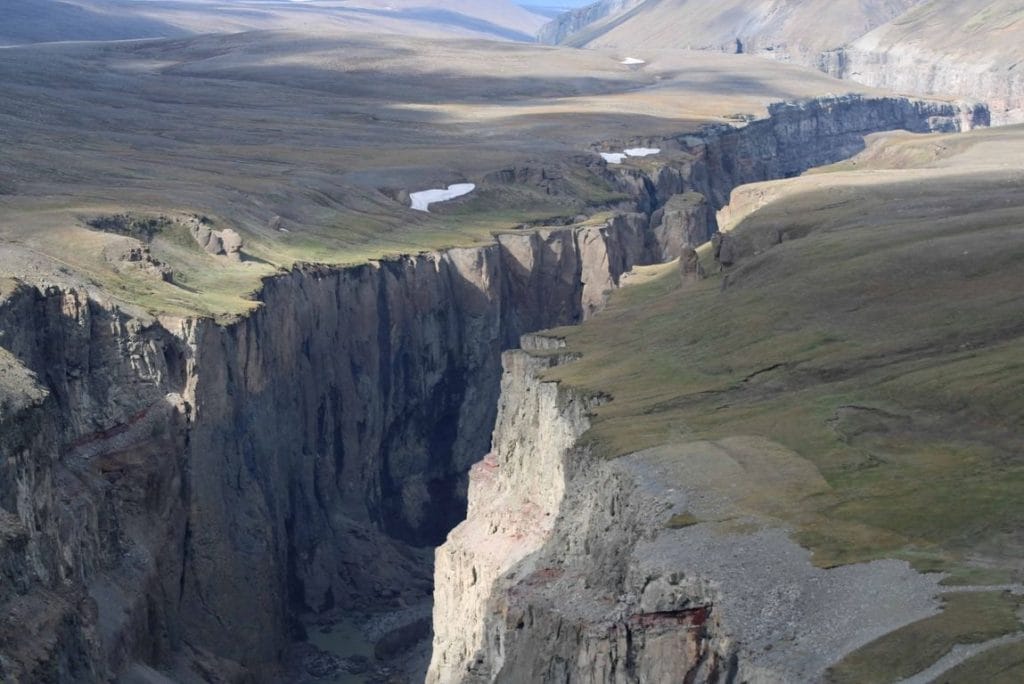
<point>308,145</point>
<point>860,364</point>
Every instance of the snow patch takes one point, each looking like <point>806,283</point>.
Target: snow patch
<point>619,157</point>
<point>631,61</point>
<point>422,200</point>
<point>642,151</point>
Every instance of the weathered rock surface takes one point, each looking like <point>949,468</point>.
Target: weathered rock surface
<point>184,486</point>
<point>911,68</point>
<point>565,568</point>
<point>225,242</point>
<point>684,222</point>
<point>176,493</point>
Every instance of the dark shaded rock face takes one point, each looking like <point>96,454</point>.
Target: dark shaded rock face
<point>178,493</point>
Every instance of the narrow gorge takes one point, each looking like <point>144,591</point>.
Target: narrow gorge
<point>186,495</point>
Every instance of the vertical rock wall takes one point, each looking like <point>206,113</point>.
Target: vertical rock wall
<point>536,585</point>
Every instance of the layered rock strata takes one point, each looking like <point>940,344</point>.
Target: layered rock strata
<point>913,69</point>
<point>568,568</point>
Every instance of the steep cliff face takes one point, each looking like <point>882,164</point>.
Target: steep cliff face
<point>178,492</point>
<point>92,491</point>
<point>516,493</point>
<point>914,69</point>
<point>336,425</point>
<point>184,486</point>
<point>795,137</point>
<point>570,568</point>
<point>798,136</point>
<point>532,587</point>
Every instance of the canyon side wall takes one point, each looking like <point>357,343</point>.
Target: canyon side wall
<point>568,567</point>
<point>183,492</point>
<point>178,492</point>
<point>910,69</point>
<point>533,586</point>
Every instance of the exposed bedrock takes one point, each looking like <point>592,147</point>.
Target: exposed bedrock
<point>198,485</point>
<point>566,569</point>
<point>535,585</point>
<point>795,137</point>
<point>183,492</point>
<point>916,69</point>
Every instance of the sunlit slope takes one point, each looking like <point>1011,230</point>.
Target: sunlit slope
<point>795,26</point>
<point>879,341</point>
<point>973,49</point>
<point>308,146</point>
<point>64,20</point>
<point>968,49</point>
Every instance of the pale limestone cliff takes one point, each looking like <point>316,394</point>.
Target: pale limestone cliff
<point>915,69</point>
<point>512,511</point>
<point>567,571</point>
<point>530,587</point>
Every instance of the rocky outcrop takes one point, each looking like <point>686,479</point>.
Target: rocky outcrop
<point>684,222</point>
<point>913,69</point>
<point>570,568</point>
<point>225,242</point>
<point>794,137</point>
<point>797,136</point>
<point>178,493</point>
<point>513,511</point>
<point>535,585</point>
<point>93,491</point>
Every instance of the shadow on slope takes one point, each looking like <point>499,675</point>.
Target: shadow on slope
<point>41,21</point>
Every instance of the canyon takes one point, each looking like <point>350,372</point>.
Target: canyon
<point>182,494</point>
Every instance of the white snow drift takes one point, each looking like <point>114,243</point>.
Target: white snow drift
<point>619,157</point>
<point>422,200</point>
<point>631,61</point>
<point>642,151</point>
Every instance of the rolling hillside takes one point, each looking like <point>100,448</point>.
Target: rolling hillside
<point>789,27</point>
<point>76,20</point>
